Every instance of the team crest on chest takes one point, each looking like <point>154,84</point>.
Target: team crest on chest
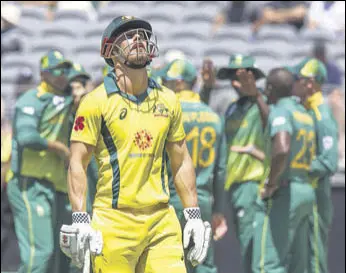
<point>160,110</point>
<point>143,140</point>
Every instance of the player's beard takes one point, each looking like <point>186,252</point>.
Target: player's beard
<point>137,56</point>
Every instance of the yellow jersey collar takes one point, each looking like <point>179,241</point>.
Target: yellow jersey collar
<point>111,87</point>
<point>44,88</point>
<point>314,100</point>
<point>188,96</point>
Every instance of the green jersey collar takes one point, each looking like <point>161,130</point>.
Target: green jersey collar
<point>290,99</point>
<point>111,87</point>
<point>188,96</point>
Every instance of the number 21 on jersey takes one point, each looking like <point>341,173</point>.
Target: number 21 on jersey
<point>303,158</point>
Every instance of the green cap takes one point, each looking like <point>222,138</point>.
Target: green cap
<point>53,59</point>
<point>309,68</point>
<point>314,68</point>
<point>178,69</point>
<point>294,69</point>
<point>76,71</point>
<point>239,61</point>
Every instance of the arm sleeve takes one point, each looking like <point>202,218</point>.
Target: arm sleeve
<point>176,130</point>
<point>326,161</point>
<point>279,120</point>
<point>220,175</point>
<point>88,120</point>
<point>26,126</point>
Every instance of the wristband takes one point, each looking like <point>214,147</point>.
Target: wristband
<point>80,218</point>
<point>192,213</point>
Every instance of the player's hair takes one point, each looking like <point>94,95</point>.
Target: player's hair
<point>281,81</point>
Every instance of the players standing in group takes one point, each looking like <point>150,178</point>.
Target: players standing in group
<point>281,226</point>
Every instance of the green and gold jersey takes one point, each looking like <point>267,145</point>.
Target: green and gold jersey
<point>129,134</point>
<point>207,146</point>
<point>243,128</point>
<point>326,162</point>
<point>288,115</point>
<point>40,116</point>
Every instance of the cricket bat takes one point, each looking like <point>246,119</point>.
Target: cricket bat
<point>86,267</point>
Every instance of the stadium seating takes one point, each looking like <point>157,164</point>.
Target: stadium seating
<point>277,32</point>
<point>108,13</point>
<point>277,50</point>
<point>94,31</point>
<point>309,34</point>
<point>44,44</point>
<point>234,31</point>
<point>33,12</point>
<point>30,27</point>
<point>58,29</point>
<point>184,25</point>
<point>68,15</point>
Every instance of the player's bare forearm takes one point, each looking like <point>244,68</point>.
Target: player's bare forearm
<point>59,148</point>
<point>77,175</point>
<point>264,109</point>
<point>184,175</point>
<point>280,154</point>
<point>258,154</point>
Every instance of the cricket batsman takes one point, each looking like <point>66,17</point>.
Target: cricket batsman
<point>207,145</point>
<point>129,123</point>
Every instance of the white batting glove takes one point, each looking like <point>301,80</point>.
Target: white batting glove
<point>75,239</point>
<point>199,232</point>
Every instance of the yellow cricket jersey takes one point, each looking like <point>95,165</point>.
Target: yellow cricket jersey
<point>129,134</point>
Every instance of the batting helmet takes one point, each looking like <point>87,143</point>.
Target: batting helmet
<point>121,25</point>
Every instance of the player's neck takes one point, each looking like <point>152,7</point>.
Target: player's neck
<point>131,81</point>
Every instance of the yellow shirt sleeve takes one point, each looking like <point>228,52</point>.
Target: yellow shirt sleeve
<point>176,130</point>
<point>6,147</point>
<point>87,124</point>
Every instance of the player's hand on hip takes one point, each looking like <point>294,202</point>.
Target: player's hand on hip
<point>75,239</point>
<point>219,226</point>
<point>199,232</point>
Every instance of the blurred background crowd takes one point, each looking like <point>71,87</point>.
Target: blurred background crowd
<point>275,33</point>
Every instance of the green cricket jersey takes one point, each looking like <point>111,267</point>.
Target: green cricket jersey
<point>243,128</point>
<point>326,162</point>
<point>40,116</point>
<point>288,115</point>
<point>207,146</point>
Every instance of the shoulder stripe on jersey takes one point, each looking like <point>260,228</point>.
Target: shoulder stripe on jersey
<point>163,165</point>
<point>112,150</point>
<point>317,113</point>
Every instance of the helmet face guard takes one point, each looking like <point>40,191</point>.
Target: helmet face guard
<point>135,47</point>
